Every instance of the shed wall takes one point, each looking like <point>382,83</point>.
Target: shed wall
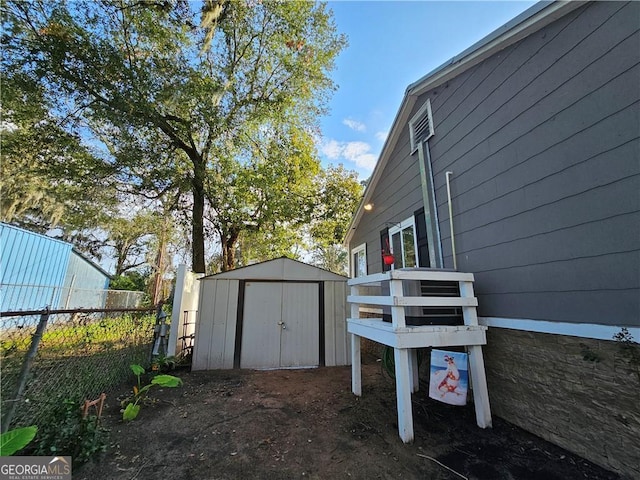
<point>216,327</point>
<point>215,338</point>
<point>337,344</point>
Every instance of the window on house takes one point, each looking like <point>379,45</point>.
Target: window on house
<point>403,244</point>
<point>359,261</point>
<point>421,126</point>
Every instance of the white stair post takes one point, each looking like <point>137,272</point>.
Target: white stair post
<point>356,359</point>
<point>476,364</point>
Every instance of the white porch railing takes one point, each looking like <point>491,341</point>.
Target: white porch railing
<point>406,339</point>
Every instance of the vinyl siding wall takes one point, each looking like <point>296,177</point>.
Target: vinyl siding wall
<point>397,195</point>
<point>543,142</point>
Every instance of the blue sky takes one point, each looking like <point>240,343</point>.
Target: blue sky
<point>393,44</point>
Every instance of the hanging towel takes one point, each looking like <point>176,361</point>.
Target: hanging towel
<point>449,377</point>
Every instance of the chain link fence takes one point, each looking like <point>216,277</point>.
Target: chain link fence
<point>23,296</point>
<point>52,356</point>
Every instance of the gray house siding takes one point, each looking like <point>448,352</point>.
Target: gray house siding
<point>397,195</point>
<point>543,139</point>
<point>543,142</point>
<point>545,154</point>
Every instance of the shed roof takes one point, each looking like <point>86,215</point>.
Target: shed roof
<point>528,22</point>
<point>282,268</point>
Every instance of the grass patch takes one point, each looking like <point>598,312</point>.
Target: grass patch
<point>78,357</point>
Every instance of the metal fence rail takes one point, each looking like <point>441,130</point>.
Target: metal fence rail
<point>49,356</point>
<point>29,297</point>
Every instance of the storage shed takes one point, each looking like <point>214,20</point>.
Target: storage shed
<point>276,314</point>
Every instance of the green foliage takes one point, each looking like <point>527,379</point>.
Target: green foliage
<point>338,195</point>
<point>629,348</point>
<point>133,280</point>
<point>49,178</point>
<point>83,336</point>
<point>177,108</point>
<point>130,412</point>
<point>137,371</point>
<point>66,432</point>
<point>76,358</point>
<point>162,363</point>
<point>132,406</point>
<point>166,381</point>
<point>129,238</point>
<point>15,440</point>
<point>318,210</point>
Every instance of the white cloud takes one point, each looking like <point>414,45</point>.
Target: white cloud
<point>355,152</point>
<point>382,136</point>
<point>332,149</point>
<point>354,125</point>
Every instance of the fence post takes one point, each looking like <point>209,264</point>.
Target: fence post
<point>26,368</point>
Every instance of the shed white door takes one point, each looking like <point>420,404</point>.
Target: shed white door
<point>280,325</point>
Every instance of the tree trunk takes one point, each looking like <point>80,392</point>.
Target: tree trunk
<point>229,245</point>
<point>120,263</point>
<point>197,221</point>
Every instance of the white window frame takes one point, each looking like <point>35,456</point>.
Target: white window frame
<point>399,259</point>
<point>360,250</point>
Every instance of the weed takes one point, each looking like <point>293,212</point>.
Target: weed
<point>66,432</point>
<point>588,355</point>
<point>629,348</point>
<point>163,364</point>
<point>132,407</point>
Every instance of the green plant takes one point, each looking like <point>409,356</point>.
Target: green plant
<point>629,348</point>
<point>132,408</point>
<point>66,432</point>
<point>17,439</point>
<point>162,363</point>
<point>389,364</point>
<point>588,355</point>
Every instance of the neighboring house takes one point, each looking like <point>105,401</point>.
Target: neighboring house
<point>37,271</point>
<point>538,124</point>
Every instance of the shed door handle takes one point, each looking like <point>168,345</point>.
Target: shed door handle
<point>283,325</point>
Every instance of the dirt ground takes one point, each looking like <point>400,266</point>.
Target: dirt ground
<point>239,424</point>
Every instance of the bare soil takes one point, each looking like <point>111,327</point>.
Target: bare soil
<point>240,424</point>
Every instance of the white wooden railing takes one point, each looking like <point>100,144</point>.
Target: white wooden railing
<point>405,339</point>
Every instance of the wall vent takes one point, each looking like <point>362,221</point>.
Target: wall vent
<point>421,126</point>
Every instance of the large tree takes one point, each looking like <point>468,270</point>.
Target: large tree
<point>338,193</point>
<point>263,189</point>
<point>49,178</point>
<point>172,101</point>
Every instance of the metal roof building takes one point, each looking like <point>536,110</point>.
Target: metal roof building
<point>37,271</point>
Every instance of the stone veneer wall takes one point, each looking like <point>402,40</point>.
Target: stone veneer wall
<point>580,394</point>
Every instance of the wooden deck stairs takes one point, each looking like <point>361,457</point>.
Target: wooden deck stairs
<point>406,339</point>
